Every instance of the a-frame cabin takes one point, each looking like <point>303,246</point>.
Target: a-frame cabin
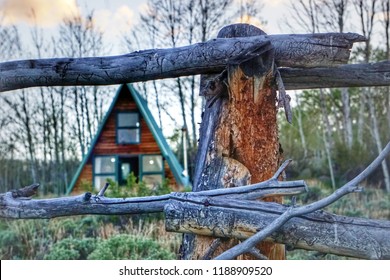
<point>128,140</point>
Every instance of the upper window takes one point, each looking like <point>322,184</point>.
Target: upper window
<point>128,128</point>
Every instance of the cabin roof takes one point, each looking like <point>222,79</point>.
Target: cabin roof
<point>173,163</point>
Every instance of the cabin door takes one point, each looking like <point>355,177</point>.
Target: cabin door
<point>126,166</point>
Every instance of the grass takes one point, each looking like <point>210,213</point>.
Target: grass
<point>78,237</point>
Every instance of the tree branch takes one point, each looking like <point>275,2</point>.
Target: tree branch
<point>349,187</point>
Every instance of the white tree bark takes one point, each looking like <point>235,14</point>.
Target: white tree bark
<point>377,138</point>
<point>300,129</point>
<point>348,133</point>
<point>327,136</point>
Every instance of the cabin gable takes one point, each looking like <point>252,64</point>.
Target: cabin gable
<point>125,143</point>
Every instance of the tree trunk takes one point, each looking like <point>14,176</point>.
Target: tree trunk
<point>300,129</point>
<point>361,118</point>
<point>327,137</point>
<point>348,133</point>
<point>238,137</point>
<point>377,138</point>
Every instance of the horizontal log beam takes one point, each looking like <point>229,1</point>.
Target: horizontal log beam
<point>19,208</point>
<point>18,204</point>
<point>300,50</point>
<point>349,75</point>
<point>319,231</point>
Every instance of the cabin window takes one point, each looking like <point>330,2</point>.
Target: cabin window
<point>152,170</point>
<point>128,128</point>
<point>104,168</point>
<point>148,168</point>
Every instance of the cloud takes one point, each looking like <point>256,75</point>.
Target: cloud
<point>278,3</point>
<point>118,21</point>
<point>37,12</point>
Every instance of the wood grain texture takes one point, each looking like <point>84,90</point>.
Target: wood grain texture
<point>294,50</point>
<point>318,231</point>
<point>349,75</point>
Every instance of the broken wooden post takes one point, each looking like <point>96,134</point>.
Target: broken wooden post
<point>238,136</point>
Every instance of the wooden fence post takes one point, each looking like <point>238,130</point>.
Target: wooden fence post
<point>238,137</point>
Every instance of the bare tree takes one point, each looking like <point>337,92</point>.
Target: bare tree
<point>10,46</point>
<point>334,14</point>
<point>249,12</point>
<point>172,23</point>
<point>385,9</point>
<point>79,37</point>
<point>367,11</point>
<point>300,128</point>
<point>23,115</point>
<point>307,14</point>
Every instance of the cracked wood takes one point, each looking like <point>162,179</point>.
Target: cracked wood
<point>318,231</point>
<point>295,50</point>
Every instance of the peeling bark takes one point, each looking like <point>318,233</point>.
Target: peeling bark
<point>240,126</point>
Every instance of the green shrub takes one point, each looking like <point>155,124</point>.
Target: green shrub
<point>71,249</point>
<point>86,185</point>
<point>8,251</point>
<point>128,247</point>
<point>132,188</point>
<point>24,239</point>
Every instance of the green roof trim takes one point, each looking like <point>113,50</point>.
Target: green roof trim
<point>166,151</point>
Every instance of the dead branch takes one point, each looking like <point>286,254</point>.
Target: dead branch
<point>350,187</point>
<point>300,50</point>
<point>26,192</point>
<point>20,208</point>
<point>103,190</point>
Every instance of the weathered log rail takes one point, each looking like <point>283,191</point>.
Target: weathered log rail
<point>295,50</point>
<point>348,75</point>
<point>318,231</point>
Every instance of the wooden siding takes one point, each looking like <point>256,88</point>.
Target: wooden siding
<point>106,143</point>
<point>85,177</point>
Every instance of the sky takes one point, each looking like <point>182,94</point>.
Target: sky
<point>112,16</point>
